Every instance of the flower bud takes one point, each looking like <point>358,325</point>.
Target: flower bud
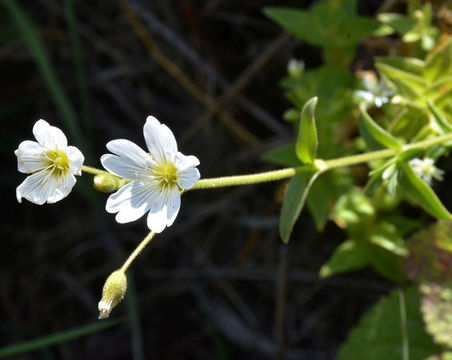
<point>291,115</point>
<point>108,183</point>
<point>295,68</point>
<point>113,292</point>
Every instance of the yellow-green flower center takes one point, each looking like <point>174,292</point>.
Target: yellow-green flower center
<point>166,173</point>
<point>59,161</point>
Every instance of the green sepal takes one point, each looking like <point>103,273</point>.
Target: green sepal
<point>294,200</point>
<point>306,146</point>
<point>417,190</point>
<point>374,135</point>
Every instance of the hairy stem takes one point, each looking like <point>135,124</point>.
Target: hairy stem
<point>137,251</point>
<point>322,166</point>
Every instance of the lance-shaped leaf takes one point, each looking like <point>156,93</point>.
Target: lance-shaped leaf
<point>407,64</point>
<point>294,200</point>
<point>306,147</point>
<point>284,155</point>
<point>440,119</point>
<point>418,191</point>
<point>439,62</point>
<point>404,83</point>
<point>374,135</point>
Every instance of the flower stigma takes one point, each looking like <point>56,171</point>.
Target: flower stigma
<point>58,161</point>
<point>165,173</point>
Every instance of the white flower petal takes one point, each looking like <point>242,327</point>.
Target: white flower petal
<point>131,202</point>
<point>159,140</point>
<point>76,159</point>
<point>49,136</point>
<point>157,220</point>
<point>138,205</point>
<point>129,151</point>
<point>30,157</point>
<point>157,217</point>
<point>187,178</point>
<point>173,206</point>
<point>115,200</point>
<point>183,162</point>
<point>62,189</point>
<point>123,167</point>
<point>37,188</point>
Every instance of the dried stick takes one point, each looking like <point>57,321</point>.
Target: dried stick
<point>239,85</point>
<point>204,67</point>
<point>242,133</point>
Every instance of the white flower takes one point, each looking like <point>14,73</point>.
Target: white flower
<point>377,93</point>
<point>51,163</point>
<point>157,177</point>
<point>426,169</point>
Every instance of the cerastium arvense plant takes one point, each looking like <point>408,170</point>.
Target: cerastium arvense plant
<point>400,148</point>
<point>153,182</point>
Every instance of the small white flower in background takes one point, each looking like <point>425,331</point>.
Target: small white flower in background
<point>51,163</point>
<point>426,169</point>
<point>377,93</point>
<point>157,177</point>
<point>295,68</point>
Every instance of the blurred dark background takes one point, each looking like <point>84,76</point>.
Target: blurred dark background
<point>218,284</point>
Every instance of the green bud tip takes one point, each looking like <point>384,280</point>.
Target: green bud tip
<point>115,288</point>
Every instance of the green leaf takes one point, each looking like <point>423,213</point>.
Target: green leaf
<point>284,155</point>
<point>374,182</point>
<point>294,200</point>
<point>374,135</point>
<point>415,189</point>
<point>49,340</point>
<point>380,333</point>
<point>350,255</point>
<point>403,83</point>
<point>296,21</point>
<point>400,23</point>
<point>324,193</point>
<point>409,154</point>
<point>439,62</point>
<point>440,119</point>
<point>387,264</point>
<point>335,26</point>
<point>386,236</point>
<point>409,65</point>
<point>306,146</point>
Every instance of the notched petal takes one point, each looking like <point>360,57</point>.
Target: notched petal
<point>49,136</point>
<point>159,139</point>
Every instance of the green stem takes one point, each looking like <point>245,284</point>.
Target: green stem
<point>94,171</point>
<point>322,166</point>
<point>137,251</point>
<point>246,179</point>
